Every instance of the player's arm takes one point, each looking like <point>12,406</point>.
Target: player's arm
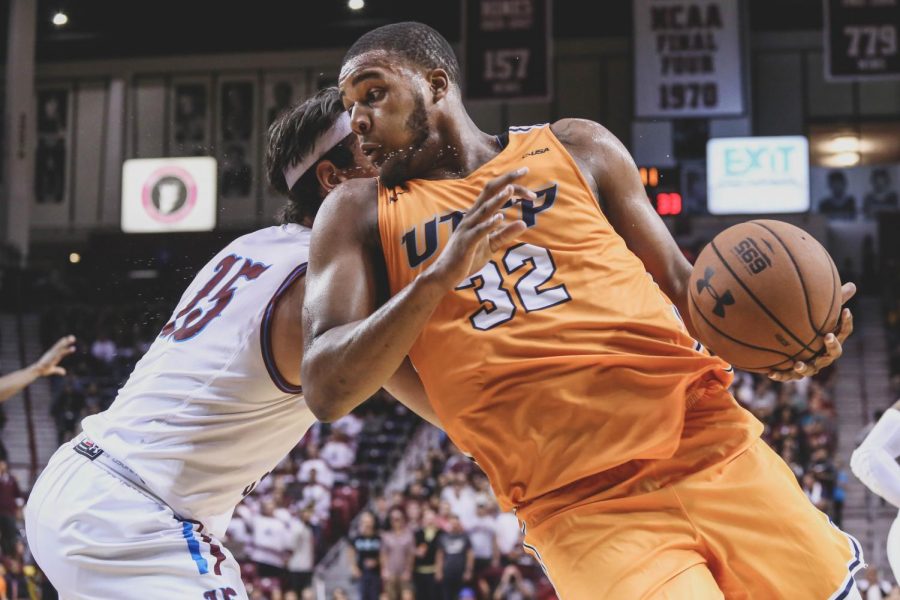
<point>607,164</point>
<point>352,348</point>
<point>287,348</point>
<point>875,461</point>
<point>48,364</point>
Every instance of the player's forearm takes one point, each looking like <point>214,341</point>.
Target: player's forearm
<point>879,472</point>
<point>874,462</point>
<point>345,365</point>
<point>13,383</point>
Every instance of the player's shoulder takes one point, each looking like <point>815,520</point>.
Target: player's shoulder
<point>276,235</point>
<point>353,201</point>
<point>581,132</point>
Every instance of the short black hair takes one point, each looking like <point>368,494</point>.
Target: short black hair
<point>291,138</point>
<point>837,177</point>
<point>416,42</point>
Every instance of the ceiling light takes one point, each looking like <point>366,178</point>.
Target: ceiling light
<point>74,258</point>
<point>842,159</point>
<point>60,19</point>
<point>356,4</point>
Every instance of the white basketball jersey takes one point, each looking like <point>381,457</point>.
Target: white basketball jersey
<point>205,414</point>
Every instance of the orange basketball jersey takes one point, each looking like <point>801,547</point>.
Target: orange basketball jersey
<point>561,358</point>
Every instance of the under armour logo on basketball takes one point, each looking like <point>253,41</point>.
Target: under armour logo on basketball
<point>722,300</point>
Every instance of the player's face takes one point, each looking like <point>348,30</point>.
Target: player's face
<point>387,109</point>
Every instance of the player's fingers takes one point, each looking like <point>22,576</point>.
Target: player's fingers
<point>494,186</point>
<point>848,290</point>
<point>488,211</point>
<point>846,327</point>
<point>804,369</point>
<point>57,371</point>
<point>504,235</point>
<point>781,376</point>
<point>833,348</point>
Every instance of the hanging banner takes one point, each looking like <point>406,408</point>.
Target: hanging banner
<point>506,49</point>
<point>861,39</point>
<point>687,58</point>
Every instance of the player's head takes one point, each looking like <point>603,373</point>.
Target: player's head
<point>837,181</point>
<point>310,150</point>
<point>401,85</point>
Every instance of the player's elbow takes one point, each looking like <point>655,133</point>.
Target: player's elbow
<point>326,407</point>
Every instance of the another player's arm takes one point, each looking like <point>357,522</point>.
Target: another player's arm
<point>48,364</point>
<point>606,163</point>
<point>875,461</point>
<point>352,347</point>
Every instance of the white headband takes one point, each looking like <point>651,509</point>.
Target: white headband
<point>326,142</point>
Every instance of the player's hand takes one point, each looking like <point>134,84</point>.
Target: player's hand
<point>833,344</point>
<point>483,230</point>
<point>48,364</point>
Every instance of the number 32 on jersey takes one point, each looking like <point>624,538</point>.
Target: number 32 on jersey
<point>530,286</point>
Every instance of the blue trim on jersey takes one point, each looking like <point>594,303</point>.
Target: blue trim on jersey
<point>856,563</point>
<point>187,530</point>
<point>265,334</point>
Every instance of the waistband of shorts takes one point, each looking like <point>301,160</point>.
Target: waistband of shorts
<point>89,449</point>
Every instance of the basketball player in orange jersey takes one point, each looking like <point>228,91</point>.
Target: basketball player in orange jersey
<point>546,349</point>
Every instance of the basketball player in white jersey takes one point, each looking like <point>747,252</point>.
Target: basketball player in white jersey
<point>135,506</point>
<point>875,464</point>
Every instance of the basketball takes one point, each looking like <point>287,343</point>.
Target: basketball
<point>763,294</point>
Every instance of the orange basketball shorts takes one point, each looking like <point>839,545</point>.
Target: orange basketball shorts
<point>723,518</point>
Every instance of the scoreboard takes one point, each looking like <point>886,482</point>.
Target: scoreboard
<point>663,185</point>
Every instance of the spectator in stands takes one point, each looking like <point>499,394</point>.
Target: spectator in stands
<point>483,535</point>
<point>324,474</point>
<point>509,534</point>
<point>337,453</point>
<point>4,588</point>
<point>813,490</point>
<point>426,539</point>
<point>48,364</point>
<point>316,498</point>
<point>104,349</point>
<point>461,497</point>
<point>302,548</point>
<point>67,411</point>
<point>341,594</point>
<point>455,561</point>
<point>11,500</point>
<point>874,587</point>
<point>268,549</point>
<point>365,558</point>
<point>397,556</point>
<point>513,586</point>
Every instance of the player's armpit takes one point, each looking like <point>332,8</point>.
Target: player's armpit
<point>618,183</point>
<point>406,386</point>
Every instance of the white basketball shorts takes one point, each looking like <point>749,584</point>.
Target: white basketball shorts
<point>98,536</point>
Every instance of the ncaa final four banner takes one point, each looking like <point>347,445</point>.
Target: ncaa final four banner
<point>168,194</point>
<point>861,39</point>
<point>687,58</point>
